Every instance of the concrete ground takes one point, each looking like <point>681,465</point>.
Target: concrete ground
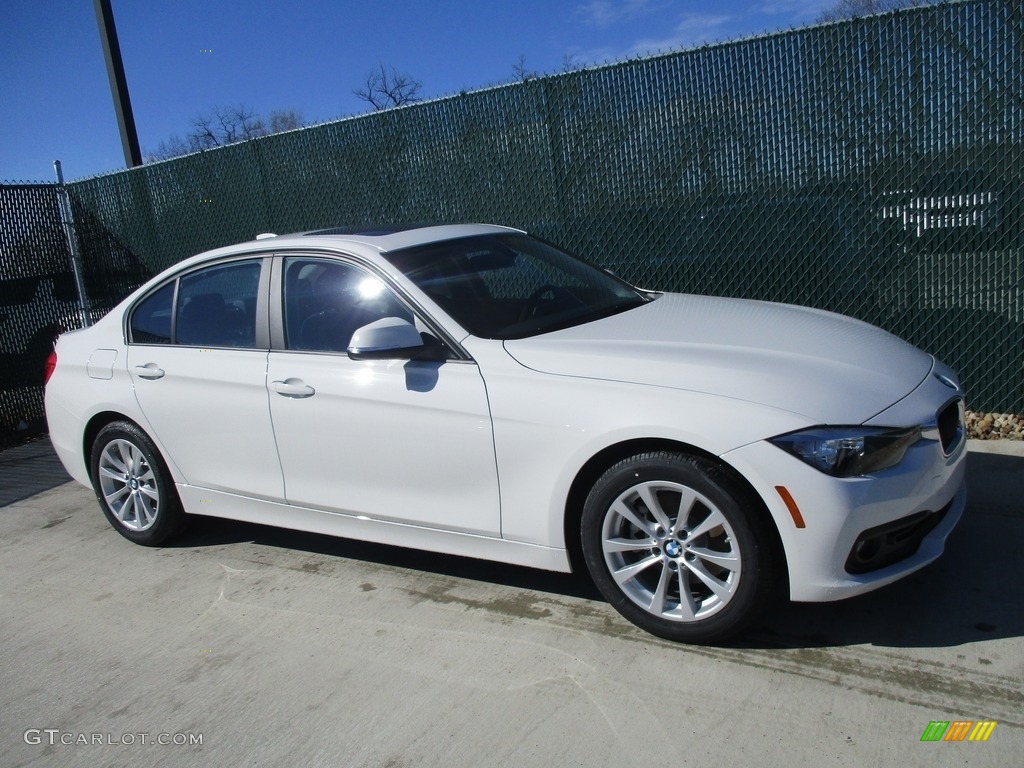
<point>277,648</point>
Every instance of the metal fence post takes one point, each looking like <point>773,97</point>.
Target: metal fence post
<point>64,203</point>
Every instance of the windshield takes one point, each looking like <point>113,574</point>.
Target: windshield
<point>513,286</point>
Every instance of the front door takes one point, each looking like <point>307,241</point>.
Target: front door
<point>397,440</point>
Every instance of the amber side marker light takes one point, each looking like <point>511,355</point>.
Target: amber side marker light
<point>794,510</point>
<point>51,364</point>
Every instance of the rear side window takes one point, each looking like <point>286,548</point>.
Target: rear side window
<point>151,320</point>
<point>215,307</point>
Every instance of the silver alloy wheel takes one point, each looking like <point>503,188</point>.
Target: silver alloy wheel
<point>129,486</point>
<point>671,551</point>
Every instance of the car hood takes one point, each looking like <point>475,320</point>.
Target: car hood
<point>827,367</point>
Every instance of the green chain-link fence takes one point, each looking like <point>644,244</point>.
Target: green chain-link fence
<point>39,298</point>
<point>873,167</point>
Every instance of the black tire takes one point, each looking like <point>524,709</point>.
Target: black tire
<point>133,487</point>
<point>718,547</point>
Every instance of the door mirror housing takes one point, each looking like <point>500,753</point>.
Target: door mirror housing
<point>390,338</point>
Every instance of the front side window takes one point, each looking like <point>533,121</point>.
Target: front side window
<point>325,302</point>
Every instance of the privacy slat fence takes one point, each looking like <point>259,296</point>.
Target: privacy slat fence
<point>872,167</point>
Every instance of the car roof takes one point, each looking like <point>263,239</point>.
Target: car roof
<point>383,240</point>
<point>357,243</point>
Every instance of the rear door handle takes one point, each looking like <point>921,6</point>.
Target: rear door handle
<point>149,371</point>
<point>293,388</point>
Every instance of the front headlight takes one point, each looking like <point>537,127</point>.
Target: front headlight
<point>849,451</point>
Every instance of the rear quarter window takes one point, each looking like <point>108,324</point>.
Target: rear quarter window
<point>151,319</point>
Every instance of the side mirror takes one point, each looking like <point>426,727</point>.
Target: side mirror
<point>389,338</point>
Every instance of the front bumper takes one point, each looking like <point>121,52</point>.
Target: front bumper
<point>893,522</point>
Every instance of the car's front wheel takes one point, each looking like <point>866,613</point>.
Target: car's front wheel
<point>678,547</point>
<point>133,486</point>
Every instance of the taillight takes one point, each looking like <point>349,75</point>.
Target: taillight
<point>51,364</point>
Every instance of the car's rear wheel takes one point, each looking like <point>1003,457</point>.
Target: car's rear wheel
<point>678,547</point>
<point>133,486</point>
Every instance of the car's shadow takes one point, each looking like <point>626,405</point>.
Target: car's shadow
<point>973,593</point>
<point>206,532</point>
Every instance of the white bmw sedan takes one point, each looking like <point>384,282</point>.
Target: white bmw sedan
<point>475,391</point>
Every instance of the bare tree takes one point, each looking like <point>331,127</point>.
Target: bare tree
<point>225,125</point>
<point>284,120</point>
<point>221,126</point>
<point>521,72</point>
<point>174,146</point>
<point>386,88</point>
<point>853,9</point>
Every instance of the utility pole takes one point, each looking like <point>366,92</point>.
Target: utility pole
<point>118,83</point>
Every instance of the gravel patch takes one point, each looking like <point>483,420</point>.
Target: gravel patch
<point>995,426</point>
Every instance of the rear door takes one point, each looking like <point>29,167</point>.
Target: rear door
<point>198,359</point>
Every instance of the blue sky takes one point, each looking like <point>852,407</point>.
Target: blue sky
<point>184,57</point>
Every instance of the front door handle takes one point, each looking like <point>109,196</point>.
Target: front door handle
<point>293,388</point>
<point>149,371</point>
